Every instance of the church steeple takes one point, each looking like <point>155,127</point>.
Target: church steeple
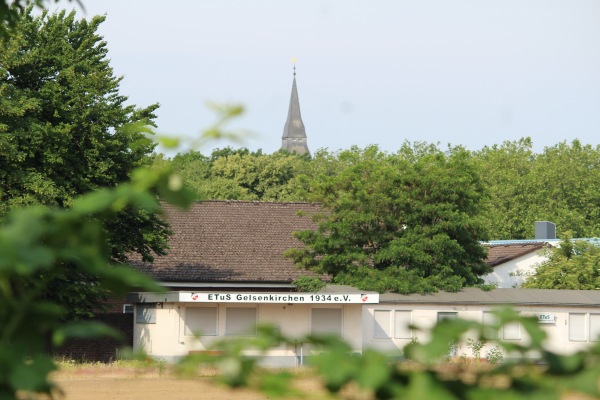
<point>294,135</point>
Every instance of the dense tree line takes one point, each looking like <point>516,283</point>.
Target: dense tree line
<point>559,184</point>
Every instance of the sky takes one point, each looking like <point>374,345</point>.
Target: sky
<point>461,72</point>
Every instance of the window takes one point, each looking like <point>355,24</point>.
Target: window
<point>403,319</point>
<point>392,322</point>
<point>201,321</point>
<point>447,315</point>
<point>326,321</point>
<point>584,327</point>
<point>145,313</point>
<point>488,320</point>
<point>240,321</point>
<point>594,327</point>
<point>577,327</point>
<point>383,324</point>
<point>511,331</point>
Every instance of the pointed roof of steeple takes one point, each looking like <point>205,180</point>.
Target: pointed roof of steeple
<point>294,127</point>
<point>294,135</point>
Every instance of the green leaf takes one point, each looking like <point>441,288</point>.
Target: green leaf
<point>30,375</point>
<point>84,330</point>
<point>168,142</point>
<point>425,386</point>
<point>94,202</point>
<point>375,370</point>
<point>584,381</point>
<point>121,278</point>
<point>336,366</point>
<point>278,384</point>
<point>563,364</point>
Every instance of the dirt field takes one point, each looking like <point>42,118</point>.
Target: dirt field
<point>144,388</point>
<point>132,384</point>
<point>106,382</point>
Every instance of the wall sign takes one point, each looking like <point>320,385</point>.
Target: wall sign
<point>546,318</point>
<point>305,298</point>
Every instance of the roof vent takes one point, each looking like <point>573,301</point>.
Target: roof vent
<point>545,230</point>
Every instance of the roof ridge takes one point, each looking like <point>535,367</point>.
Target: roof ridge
<point>258,202</point>
<point>541,244</point>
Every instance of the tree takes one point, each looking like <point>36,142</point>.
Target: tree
<point>65,130</point>
<point>558,185</point>
<point>566,187</point>
<point>38,244</point>
<point>575,265</point>
<point>510,208</point>
<point>404,222</point>
<point>238,174</point>
<point>9,14</point>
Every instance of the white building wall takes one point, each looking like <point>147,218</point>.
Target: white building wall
<point>513,273</point>
<point>163,334</point>
<point>167,337</point>
<point>425,316</point>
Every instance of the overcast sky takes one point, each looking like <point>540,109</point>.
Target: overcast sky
<point>466,72</point>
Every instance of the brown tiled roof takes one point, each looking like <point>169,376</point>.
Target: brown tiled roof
<point>501,253</point>
<point>232,241</point>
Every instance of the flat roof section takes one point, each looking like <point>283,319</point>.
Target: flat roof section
<point>476,296</point>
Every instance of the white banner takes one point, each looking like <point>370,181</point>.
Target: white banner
<point>290,298</point>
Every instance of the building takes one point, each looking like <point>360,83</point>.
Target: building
<point>294,134</point>
<point>513,261</point>
<point>226,271</point>
<point>570,318</point>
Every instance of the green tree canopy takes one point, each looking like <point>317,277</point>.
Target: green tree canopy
<point>238,174</point>
<point>507,173</point>
<point>565,184</point>
<point>65,130</point>
<point>405,222</point>
<point>559,185</point>
<point>575,265</point>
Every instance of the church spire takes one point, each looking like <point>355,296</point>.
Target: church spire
<point>294,135</point>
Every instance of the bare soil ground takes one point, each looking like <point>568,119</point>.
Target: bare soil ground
<point>105,383</point>
<point>146,388</point>
<point>108,382</point>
